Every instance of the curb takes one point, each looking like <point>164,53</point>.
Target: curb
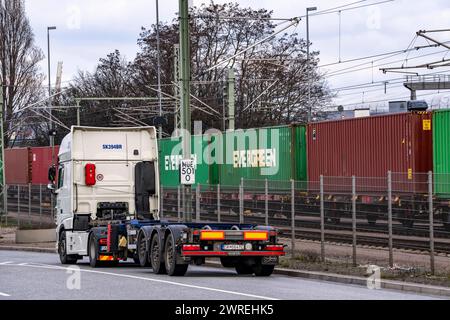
<point>330,277</point>
<point>360,281</point>
<point>29,249</point>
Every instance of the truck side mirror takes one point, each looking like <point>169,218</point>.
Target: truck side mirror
<point>51,187</point>
<point>52,174</point>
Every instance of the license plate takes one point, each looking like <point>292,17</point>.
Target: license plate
<point>103,248</point>
<point>236,247</point>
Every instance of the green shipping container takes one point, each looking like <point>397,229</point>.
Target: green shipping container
<point>274,153</point>
<point>170,156</point>
<point>441,152</point>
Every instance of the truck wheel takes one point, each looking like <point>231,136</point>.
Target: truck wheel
<point>142,254</point>
<point>242,268</point>
<point>93,253</point>
<point>62,251</point>
<point>227,262</point>
<point>173,268</point>
<point>155,255</point>
<point>263,270</point>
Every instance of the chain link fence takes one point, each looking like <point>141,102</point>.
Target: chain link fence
<point>399,211</point>
<point>28,207</point>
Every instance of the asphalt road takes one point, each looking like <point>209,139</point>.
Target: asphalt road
<point>28,275</point>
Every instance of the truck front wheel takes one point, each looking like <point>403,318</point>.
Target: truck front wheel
<point>93,253</point>
<point>172,267</point>
<point>62,251</point>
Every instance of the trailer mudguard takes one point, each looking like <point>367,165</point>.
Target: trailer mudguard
<point>176,231</point>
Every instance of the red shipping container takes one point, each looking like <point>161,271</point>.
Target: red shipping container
<point>41,160</point>
<point>17,169</point>
<point>370,147</point>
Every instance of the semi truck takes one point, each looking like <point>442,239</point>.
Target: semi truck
<point>108,202</point>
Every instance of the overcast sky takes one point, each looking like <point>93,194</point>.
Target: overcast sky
<point>89,29</point>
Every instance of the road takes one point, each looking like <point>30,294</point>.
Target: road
<point>29,275</point>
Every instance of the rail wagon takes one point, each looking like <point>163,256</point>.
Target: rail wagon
<point>29,165</point>
<point>368,148</point>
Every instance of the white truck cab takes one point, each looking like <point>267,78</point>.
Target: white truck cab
<point>104,174</point>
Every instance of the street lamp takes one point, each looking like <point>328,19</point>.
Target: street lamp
<point>309,9</point>
<point>49,103</point>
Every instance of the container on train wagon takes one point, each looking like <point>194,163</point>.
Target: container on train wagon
<point>170,155</point>
<point>368,148</point>
<point>277,154</point>
<point>41,160</point>
<point>441,152</point>
<point>17,168</point>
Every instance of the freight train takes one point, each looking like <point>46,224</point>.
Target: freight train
<point>367,148</point>
<point>408,144</point>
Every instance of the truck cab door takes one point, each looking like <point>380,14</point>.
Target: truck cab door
<point>63,208</point>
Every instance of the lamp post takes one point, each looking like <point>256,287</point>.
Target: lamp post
<point>307,61</point>
<point>49,102</point>
<point>159,67</point>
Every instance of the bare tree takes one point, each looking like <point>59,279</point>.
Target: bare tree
<point>271,78</point>
<point>20,76</point>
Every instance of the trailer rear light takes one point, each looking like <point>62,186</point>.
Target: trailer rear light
<point>191,247</point>
<point>89,174</point>
<point>103,241</point>
<point>196,232</point>
<point>272,233</point>
<point>274,247</point>
<point>212,235</point>
<point>256,235</point>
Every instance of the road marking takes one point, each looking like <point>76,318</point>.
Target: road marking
<point>47,266</point>
<point>4,294</point>
<point>6,262</point>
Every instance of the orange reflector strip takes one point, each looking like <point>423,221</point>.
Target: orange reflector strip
<point>255,235</point>
<point>106,258</point>
<point>212,235</point>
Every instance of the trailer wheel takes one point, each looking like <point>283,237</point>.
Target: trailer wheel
<point>155,255</point>
<point>227,262</point>
<point>242,268</point>
<point>93,253</point>
<point>142,254</point>
<point>62,251</point>
<point>173,268</point>
<point>262,270</point>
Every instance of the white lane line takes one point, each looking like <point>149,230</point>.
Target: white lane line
<point>6,262</point>
<point>47,266</point>
<point>4,294</point>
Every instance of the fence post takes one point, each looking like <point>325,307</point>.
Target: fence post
<point>391,254</point>
<point>292,218</point>
<point>178,204</point>
<point>161,205</point>
<point>241,201</point>
<point>354,218</point>
<point>218,203</point>
<point>40,205</point>
<point>266,200</point>
<point>18,205</point>
<point>5,203</point>
<point>29,204</point>
<point>430,204</point>
<point>197,203</point>
<point>322,221</point>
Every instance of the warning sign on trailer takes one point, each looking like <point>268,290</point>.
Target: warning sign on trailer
<point>187,171</point>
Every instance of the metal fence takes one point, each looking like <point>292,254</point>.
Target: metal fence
<point>28,206</point>
<point>399,211</point>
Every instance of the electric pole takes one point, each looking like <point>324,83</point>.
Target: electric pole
<point>231,80</point>
<point>159,69</point>
<point>2,154</point>
<point>185,101</point>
